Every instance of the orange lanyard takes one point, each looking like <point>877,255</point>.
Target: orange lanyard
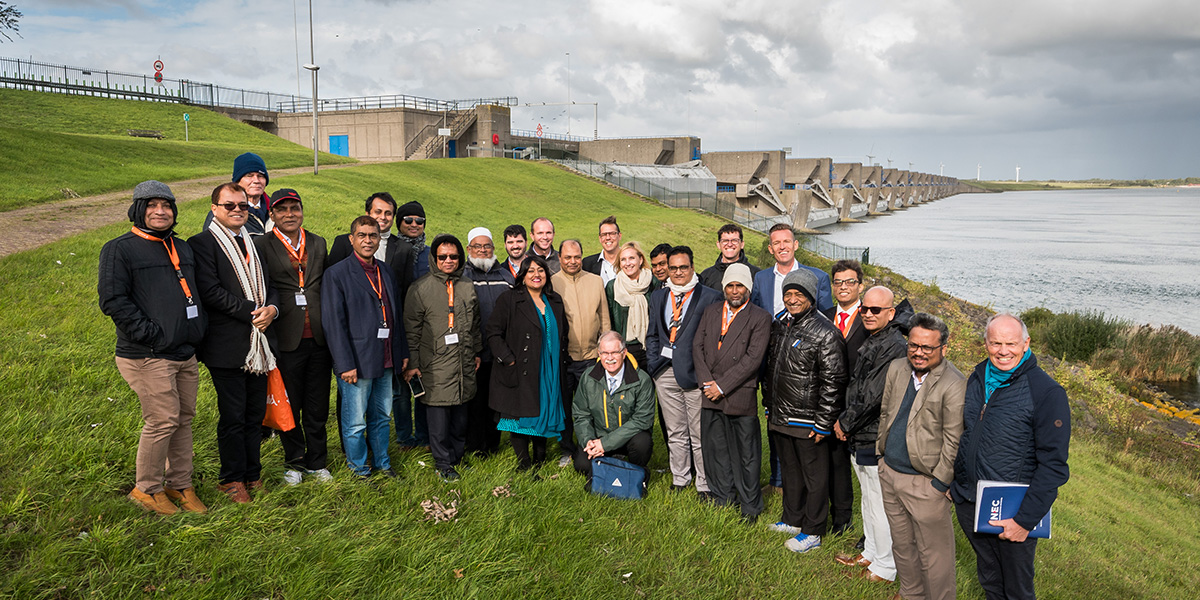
<point>173,255</point>
<point>378,291</point>
<point>677,312</point>
<point>301,256</point>
<point>513,267</point>
<point>728,314</point>
<point>450,293</point>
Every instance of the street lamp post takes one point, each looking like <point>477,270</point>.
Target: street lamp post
<point>316,146</point>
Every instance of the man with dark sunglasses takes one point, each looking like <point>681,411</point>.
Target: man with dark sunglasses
<point>410,222</point>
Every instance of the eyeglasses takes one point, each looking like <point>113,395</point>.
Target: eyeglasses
<point>841,282</point>
<point>232,206</point>
<point>481,247</point>
<point>445,257</point>
<point>923,349</point>
<point>875,309</point>
<point>610,234</point>
<point>679,269</point>
<point>730,242</point>
<point>411,220</point>
<point>613,353</point>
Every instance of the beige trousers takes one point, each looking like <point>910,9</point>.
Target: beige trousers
<point>167,391</point>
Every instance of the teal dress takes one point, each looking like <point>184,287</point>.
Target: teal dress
<point>549,422</point>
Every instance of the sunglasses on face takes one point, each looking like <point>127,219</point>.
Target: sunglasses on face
<point>875,309</point>
<point>446,257</point>
<point>411,220</point>
<point>232,206</point>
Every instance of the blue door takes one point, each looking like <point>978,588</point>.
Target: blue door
<point>339,145</point>
<point>453,152</point>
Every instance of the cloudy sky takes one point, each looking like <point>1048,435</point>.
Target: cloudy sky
<point>1065,89</point>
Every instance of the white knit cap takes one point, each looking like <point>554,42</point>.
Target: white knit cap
<point>478,231</point>
<point>739,273</point>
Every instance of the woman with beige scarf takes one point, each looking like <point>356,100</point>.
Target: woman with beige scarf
<point>629,300</point>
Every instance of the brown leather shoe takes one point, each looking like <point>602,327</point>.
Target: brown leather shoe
<point>153,502</point>
<point>873,578</point>
<point>852,561</point>
<point>256,486</point>
<point>236,491</point>
<point>187,499</point>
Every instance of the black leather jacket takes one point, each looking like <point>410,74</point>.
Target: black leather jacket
<point>864,392</point>
<point>805,385</point>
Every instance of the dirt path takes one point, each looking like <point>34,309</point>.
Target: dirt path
<point>34,226</point>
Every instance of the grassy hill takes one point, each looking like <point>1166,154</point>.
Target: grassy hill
<point>1125,524</point>
<point>55,142</point>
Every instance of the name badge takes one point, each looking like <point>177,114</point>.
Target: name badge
<point>382,333</point>
<point>668,352</point>
<point>451,339</point>
<point>193,311</point>
<point>301,300</point>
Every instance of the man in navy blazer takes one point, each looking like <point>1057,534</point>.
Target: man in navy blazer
<point>360,312</point>
<point>674,317</point>
<point>768,295</point>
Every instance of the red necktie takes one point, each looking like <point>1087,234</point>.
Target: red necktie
<point>842,318</point>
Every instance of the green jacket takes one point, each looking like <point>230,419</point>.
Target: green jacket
<point>613,418</point>
<point>447,370</point>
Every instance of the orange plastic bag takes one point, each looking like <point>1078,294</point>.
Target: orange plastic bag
<point>279,409</point>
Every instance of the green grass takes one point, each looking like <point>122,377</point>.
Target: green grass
<point>69,428</point>
<point>55,142</point>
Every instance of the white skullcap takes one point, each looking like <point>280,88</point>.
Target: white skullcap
<point>478,231</point>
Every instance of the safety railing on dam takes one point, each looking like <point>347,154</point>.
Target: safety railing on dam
<point>710,203</point>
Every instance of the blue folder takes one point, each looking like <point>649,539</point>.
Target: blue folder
<point>999,500</point>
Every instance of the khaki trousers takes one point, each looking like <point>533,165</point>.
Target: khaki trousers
<point>681,412</point>
<point>167,392</point>
<point>922,534</point>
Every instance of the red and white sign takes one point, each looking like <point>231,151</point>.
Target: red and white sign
<point>539,130</point>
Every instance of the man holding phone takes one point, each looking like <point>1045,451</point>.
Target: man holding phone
<point>360,307</point>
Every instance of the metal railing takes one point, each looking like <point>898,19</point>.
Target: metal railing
<point>832,251</point>
<point>562,137</point>
<point>32,75</point>
<point>395,101</point>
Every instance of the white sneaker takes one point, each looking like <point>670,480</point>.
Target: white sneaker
<point>564,460</point>
<point>292,477</point>
<point>803,543</point>
<point>321,475</point>
<point>782,527</point>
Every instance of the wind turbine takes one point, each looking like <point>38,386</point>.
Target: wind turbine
<point>870,157</point>
<point>978,168</point>
<point>889,163</point>
<point>941,169</point>
<point>1018,174</point>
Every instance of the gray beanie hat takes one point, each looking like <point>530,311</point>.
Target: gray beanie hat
<point>150,190</point>
<point>802,279</point>
<point>739,273</point>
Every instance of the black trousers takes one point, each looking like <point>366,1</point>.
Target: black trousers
<point>575,372</point>
<point>637,451</point>
<point>732,452</point>
<point>305,372</point>
<point>520,445</point>
<point>1005,568</point>
<point>241,404</point>
<point>482,435</point>
<point>447,434</point>
<point>805,469</point>
<point>841,486</point>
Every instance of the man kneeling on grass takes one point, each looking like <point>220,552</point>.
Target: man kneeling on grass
<point>613,408</point>
<point>148,286</point>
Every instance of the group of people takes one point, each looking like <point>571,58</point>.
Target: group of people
<point>553,344</point>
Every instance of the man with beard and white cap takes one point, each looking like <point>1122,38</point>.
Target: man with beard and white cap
<point>730,344</point>
<point>488,276</point>
<point>613,408</point>
<point>147,285</point>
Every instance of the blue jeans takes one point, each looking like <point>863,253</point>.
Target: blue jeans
<point>365,421</point>
<point>410,430</point>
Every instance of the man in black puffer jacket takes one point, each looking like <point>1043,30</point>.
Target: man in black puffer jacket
<point>886,327</point>
<point>806,387</point>
<point>147,285</point>
<point>1016,429</point>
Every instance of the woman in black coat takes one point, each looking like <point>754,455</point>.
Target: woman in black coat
<point>527,334</point>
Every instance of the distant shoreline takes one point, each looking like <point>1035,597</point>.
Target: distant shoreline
<point>1089,184</point>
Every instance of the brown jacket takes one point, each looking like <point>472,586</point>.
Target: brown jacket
<point>935,422</point>
<point>735,365</point>
<point>587,312</point>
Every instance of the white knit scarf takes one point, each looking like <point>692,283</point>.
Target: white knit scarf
<point>632,295</point>
<point>259,359</point>
<point>685,288</point>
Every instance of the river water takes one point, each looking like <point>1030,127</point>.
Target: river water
<point>1131,253</point>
